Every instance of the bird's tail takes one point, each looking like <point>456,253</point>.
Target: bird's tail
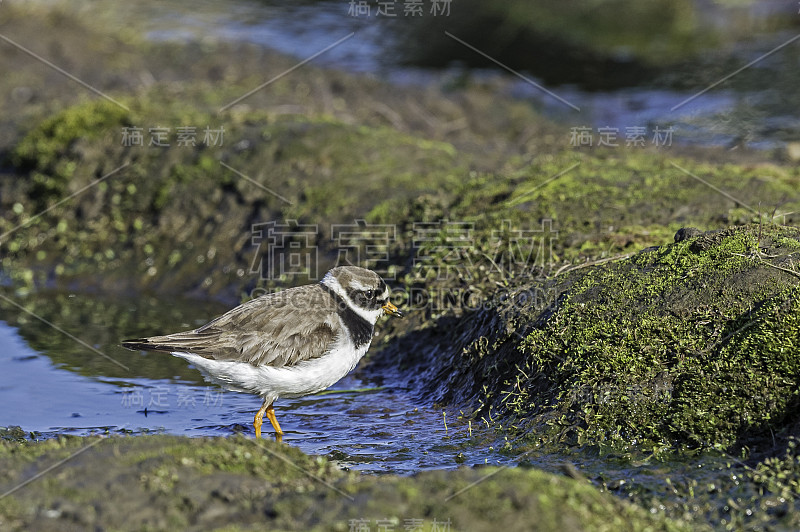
<point>169,343</point>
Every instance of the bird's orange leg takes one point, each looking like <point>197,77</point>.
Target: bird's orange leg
<point>274,420</point>
<point>259,419</point>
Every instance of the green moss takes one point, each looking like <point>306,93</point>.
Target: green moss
<point>681,354</point>
<point>166,481</point>
<point>688,344</point>
<point>45,147</point>
<point>779,474</point>
<point>317,170</point>
<point>664,348</point>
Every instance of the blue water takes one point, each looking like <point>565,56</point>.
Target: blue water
<point>380,430</point>
<point>719,117</point>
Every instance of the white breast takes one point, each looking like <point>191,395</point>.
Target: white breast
<point>304,378</point>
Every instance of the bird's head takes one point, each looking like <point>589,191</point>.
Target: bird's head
<point>362,290</point>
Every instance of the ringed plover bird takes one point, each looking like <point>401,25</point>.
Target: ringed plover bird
<point>289,344</point>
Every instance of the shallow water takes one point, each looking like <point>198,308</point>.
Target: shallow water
<point>365,422</point>
<point>705,99</point>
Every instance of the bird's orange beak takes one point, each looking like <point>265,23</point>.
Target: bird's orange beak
<point>389,308</point>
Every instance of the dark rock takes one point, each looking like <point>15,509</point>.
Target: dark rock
<point>685,233</point>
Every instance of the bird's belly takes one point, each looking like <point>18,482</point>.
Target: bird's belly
<point>315,375</point>
<point>304,378</point>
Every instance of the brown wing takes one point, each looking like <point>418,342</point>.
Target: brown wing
<point>278,329</point>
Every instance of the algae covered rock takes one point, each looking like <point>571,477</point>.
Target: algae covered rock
<point>693,343</point>
<point>181,217</point>
<point>168,482</point>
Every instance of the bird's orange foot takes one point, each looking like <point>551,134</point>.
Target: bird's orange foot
<point>259,419</point>
<point>272,419</point>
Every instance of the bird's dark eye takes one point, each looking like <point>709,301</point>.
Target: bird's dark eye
<point>369,294</point>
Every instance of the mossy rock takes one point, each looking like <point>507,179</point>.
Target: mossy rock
<point>159,482</point>
<point>693,343</point>
<point>180,218</point>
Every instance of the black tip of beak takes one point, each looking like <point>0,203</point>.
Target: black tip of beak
<point>389,308</point>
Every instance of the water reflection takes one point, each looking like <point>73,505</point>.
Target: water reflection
<point>609,57</point>
<point>632,60</point>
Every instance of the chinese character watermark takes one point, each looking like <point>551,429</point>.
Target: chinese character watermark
<point>635,136</point>
<point>285,250</point>
<point>443,248</point>
<point>365,245</point>
<point>393,525</point>
<point>160,398</point>
<point>523,249</point>
<point>393,8</point>
<point>662,137</point>
<point>162,137</point>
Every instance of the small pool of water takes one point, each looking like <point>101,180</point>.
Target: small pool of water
<point>365,422</point>
<point>738,89</point>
